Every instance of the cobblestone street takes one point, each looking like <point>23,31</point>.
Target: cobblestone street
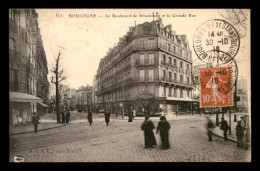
<point>122,141</point>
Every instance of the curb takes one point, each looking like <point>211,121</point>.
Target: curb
<point>223,137</point>
<point>38,130</point>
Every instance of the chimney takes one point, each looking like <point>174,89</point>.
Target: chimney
<point>169,26</point>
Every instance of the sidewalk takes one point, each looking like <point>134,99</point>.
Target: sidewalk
<point>168,117</point>
<point>218,132</point>
<point>22,129</point>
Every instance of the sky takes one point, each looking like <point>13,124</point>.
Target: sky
<point>87,38</point>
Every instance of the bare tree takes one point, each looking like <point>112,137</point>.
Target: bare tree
<point>58,78</point>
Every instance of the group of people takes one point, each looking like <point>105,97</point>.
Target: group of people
<point>90,117</point>
<point>65,115</point>
<point>163,128</point>
<point>224,127</point>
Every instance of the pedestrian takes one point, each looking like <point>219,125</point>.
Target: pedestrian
<point>130,115</point>
<point>210,127</point>
<point>134,113</point>
<point>164,126</point>
<point>62,115</point>
<point>149,138</point>
<point>176,112</point>
<point>107,117</point>
<point>224,126</point>
<point>35,121</point>
<point>67,116</point>
<point>89,116</point>
<point>239,134</point>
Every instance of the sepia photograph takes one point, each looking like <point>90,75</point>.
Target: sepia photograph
<point>129,85</point>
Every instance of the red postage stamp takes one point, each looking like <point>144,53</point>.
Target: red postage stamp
<point>216,87</point>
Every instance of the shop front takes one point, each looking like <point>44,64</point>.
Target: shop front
<point>21,107</point>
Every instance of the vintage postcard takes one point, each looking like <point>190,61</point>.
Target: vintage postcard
<point>129,85</point>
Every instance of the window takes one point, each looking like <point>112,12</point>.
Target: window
<point>170,92</point>
<point>169,47</point>
<point>141,44</point>
<point>181,93</point>
<point>141,75</point>
<point>164,58</point>
<point>150,43</point>
<point>188,67</point>
<point>170,76</point>
<point>180,52</point>
<point>188,93</point>
<point>181,78</point>
<point>175,77</point>
<point>142,59</point>
<point>164,74</point>
<point>175,92</point>
<point>151,75</point>
<point>188,80</point>
<point>170,60</point>
<point>13,80</point>
<point>181,64</point>
<point>164,91</point>
<point>174,62</point>
<point>174,49</point>
<point>151,58</point>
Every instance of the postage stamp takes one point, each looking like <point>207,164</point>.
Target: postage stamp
<point>216,36</point>
<point>216,87</point>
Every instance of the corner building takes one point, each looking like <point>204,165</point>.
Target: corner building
<point>150,68</point>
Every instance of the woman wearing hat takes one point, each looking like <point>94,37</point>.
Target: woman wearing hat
<point>149,138</point>
<point>164,126</point>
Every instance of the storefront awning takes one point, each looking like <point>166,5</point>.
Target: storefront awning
<point>23,97</point>
<point>44,105</point>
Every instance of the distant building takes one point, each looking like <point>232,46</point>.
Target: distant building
<point>242,95</point>
<point>150,68</point>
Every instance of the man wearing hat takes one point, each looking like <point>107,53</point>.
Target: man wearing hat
<point>224,126</point>
<point>164,126</point>
<point>210,127</point>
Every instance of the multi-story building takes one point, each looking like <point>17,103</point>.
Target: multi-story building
<point>24,63</point>
<point>149,68</point>
<point>94,96</point>
<point>83,97</point>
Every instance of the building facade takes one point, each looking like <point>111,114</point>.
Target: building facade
<point>150,68</point>
<point>24,63</point>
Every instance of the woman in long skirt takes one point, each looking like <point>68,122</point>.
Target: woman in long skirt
<point>149,138</point>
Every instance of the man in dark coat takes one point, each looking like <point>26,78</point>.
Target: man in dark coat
<point>224,126</point>
<point>130,115</point>
<point>90,116</point>
<point>62,115</point>
<point>210,127</point>
<point>35,121</point>
<point>239,133</point>
<point>164,126</point>
<point>107,117</point>
<point>149,138</point>
<point>68,116</point>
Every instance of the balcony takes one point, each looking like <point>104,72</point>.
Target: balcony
<point>137,47</point>
<point>145,62</point>
<point>14,56</point>
<point>169,65</point>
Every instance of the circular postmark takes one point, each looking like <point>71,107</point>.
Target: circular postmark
<point>205,74</point>
<point>216,36</point>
